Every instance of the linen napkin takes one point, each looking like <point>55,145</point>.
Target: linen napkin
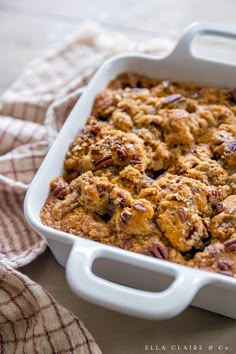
<point>32,112</point>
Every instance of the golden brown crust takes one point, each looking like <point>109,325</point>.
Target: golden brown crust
<point>154,172</point>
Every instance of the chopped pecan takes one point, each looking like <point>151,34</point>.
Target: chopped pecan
<point>95,129</point>
<point>122,224</point>
<point>165,83</point>
<point>125,215</point>
<point>193,149</point>
<point>159,250</point>
<point>118,141</point>
<point>127,244</point>
<point>105,187</point>
<point>172,99</point>
<point>190,232</point>
<point>122,154</point>
<point>230,245</point>
<point>182,214</point>
<point>147,179</point>
<point>232,96</point>
<point>215,195</point>
<point>136,89</point>
<point>135,162</point>
<point>194,190</point>
<point>217,207</point>
<point>193,229</point>
<point>229,273</point>
<point>232,146</point>
<point>139,207</point>
<point>104,162</point>
<point>195,94</point>
<point>121,201</point>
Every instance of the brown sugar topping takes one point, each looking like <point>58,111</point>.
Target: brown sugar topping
<point>154,172</point>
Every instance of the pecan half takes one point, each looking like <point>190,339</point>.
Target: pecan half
<point>225,264</point>
<point>159,250</point>
<point>230,245</point>
<point>58,192</point>
<point>104,162</point>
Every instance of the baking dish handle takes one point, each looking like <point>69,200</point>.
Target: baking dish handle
<point>183,47</point>
<point>140,303</point>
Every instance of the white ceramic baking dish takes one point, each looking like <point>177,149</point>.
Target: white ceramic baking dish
<point>118,279</point>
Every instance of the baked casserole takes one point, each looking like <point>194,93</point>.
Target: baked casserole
<point>154,172</point>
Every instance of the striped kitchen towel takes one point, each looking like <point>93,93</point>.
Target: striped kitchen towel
<point>32,112</point>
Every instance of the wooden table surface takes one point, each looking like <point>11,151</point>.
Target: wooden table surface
<point>28,28</point>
